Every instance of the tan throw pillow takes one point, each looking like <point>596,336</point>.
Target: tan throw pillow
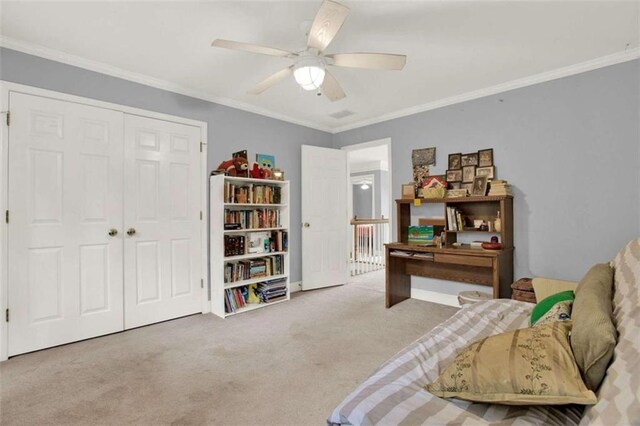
<point>545,287</point>
<point>530,366</point>
<point>594,335</point>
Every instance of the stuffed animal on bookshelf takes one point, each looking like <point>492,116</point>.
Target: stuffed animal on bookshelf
<point>258,172</point>
<point>238,166</point>
<point>252,296</point>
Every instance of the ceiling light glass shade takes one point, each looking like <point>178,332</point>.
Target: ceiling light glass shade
<point>364,186</point>
<point>309,77</point>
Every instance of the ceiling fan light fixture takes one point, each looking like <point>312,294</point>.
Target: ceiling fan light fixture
<point>309,73</point>
<point>364,186</point>
<point>309,78</point>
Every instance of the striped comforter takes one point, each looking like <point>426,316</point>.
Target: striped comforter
<point>394,394</point>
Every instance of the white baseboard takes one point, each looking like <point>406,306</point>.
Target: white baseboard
<point>435,297</point>
<point>295,287</point>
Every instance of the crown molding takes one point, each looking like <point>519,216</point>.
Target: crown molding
<point>593,64</point>
<point>77,61</point>
<point>102,68</point>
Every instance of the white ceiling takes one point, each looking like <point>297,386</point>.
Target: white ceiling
<point>453,47</point>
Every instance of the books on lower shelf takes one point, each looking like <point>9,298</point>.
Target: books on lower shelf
<point>253,268</point>
<point>254,294</point>
<point>252,219</point>
<point>499,187</point>
<point>251,193</point>
<point>271,291</point>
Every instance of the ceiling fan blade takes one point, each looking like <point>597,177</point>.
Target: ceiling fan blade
<point>270,81</point>
<point>331,88</point>
<point>326,24</point>
<point>253,48</point>
<point>374,61</point>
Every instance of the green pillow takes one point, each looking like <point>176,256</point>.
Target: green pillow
<point>549,305</point>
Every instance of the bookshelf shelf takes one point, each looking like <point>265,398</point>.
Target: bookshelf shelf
<point>253,281</point>
<point>244,231</point>
<point>253,307</point>
<point>252,255</point>
<point>244,205</point>
<point>274,221</point>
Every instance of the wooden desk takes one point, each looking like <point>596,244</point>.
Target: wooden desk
<point>492,268</point>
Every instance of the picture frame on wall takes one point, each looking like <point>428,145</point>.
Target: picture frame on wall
<point>479,188</point>
<point>454,175</point>
<point>468,173</point>
<point>455,161</point>
<point>467,186</point>
<point>485,157</point>
<point>424,157</point>
<point>489,172</point>
<point>470,159</point>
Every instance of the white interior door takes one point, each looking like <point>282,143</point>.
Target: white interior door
<point>162,220</point>
<point>324,217</point>
<point>65,194</point>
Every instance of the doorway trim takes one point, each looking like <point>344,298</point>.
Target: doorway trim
<point>6,88</point>
<point>378,142</point>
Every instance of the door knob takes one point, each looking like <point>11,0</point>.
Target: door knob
<point>131,231</point>
<point>113,232</point>
<point>306,224</point>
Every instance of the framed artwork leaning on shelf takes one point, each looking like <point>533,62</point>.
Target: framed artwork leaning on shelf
<point>479,188</point>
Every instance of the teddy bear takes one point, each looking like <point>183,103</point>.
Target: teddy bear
<point>238,166</point>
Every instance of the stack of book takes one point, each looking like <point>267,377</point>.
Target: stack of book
<point>252,194</point>
<point>252,219</point>
<point>236,271</point>
<point>499,188</point>
<point>455,220</point>
<point>254,268</point>
<point>279,241</point>
<point>235,298</point>
<point>271,291</point>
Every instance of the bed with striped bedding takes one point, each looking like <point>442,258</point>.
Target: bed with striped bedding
<point>395,394</point>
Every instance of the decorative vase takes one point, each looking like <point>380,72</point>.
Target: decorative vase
<point>497,224</point>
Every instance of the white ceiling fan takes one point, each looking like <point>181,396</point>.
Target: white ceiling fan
<point>310,66</point>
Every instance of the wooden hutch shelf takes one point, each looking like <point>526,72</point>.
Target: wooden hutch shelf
<point>493,268</point>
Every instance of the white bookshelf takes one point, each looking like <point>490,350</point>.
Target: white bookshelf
<point>217,233</point>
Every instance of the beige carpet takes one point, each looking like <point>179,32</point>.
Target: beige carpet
<point>291,363</point>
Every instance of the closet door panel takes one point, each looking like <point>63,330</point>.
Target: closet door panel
<point>65,193</point>
<point>162,215</point>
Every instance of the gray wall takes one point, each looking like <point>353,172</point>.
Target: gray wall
<point>229,129</point>
<point>362,202</point>
<point>381,192</point>
<point>571,149</point>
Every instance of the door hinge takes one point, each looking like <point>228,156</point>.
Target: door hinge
<point>201,282</point>
<point>6,315</point>
<point>8,118</point>
<point>201,146</point>
<point>201,215</point>
<point>6,216</point>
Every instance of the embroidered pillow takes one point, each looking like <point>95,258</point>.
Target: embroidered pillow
<point>556,307</point>
<point>530,366</point>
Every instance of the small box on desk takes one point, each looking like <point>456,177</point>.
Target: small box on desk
<point>421,234</point>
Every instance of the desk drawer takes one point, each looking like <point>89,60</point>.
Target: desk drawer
<point>457,259</point>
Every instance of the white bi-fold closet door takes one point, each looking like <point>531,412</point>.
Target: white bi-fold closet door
<point>104,230</point>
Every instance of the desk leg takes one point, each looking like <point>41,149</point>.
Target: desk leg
<point>398,283</point>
